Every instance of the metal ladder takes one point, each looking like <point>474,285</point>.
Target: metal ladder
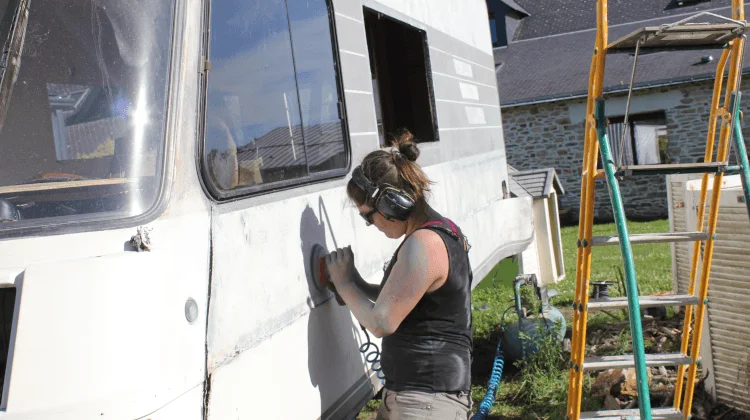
<point>728,35</point>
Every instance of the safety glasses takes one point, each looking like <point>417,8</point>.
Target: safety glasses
<point>368,216</point>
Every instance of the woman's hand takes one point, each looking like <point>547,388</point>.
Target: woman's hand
<point>340,264</point>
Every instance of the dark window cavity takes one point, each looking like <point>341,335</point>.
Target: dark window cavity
<point>402,86</point>
<point>7,310</point>
<point>82,109</point>
<point>273,99</point>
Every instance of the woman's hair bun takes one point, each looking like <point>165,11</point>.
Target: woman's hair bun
<point>404,141</point>
<point>396,166</point>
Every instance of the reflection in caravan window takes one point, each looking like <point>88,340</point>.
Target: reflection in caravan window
<point>82,125</point>
<point>273,97</point>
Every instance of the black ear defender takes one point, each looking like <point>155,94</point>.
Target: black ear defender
<point>392,202</point>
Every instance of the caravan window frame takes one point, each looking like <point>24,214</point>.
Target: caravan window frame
<point>107,221</point>
<point>242,192</point>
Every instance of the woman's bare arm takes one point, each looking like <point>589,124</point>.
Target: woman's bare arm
<point>422,261</point>
<point>370,290</point>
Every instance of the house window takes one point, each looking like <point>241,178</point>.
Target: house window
<point>273,97</point>
<point>644,142</point>
<point>401,82</point>
<point>493,29</point>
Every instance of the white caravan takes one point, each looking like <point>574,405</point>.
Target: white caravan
<point>166,167</point>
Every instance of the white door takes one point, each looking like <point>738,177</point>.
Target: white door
<point>276,144</point>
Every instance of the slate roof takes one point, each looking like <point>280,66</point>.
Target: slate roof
<point>557,67</point>
<point>536,183</point>
<point>324,141</point>
<point>549,17</point>
<point>515,6</point>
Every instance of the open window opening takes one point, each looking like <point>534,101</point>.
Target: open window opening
<point>644,142</point>
<point>401,82</point>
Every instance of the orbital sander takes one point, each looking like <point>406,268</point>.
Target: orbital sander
<point>320,274</point>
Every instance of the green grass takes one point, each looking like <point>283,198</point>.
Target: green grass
<point>500,276</point>
<point>370,410</point>
<point>652,261</point>
<point>539,389</point>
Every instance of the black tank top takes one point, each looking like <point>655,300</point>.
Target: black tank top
<point>431,349</point>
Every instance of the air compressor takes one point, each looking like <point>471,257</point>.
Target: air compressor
<point>520,339</point>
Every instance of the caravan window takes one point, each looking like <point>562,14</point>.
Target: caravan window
<point>273,99</point>
<point>82,108</point>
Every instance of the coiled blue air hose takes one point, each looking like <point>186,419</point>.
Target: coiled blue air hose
<point>497,373</point>
<point>494,383</point>
<point>372,356</point>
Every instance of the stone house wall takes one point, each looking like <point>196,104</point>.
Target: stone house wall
<point>551,135</point>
